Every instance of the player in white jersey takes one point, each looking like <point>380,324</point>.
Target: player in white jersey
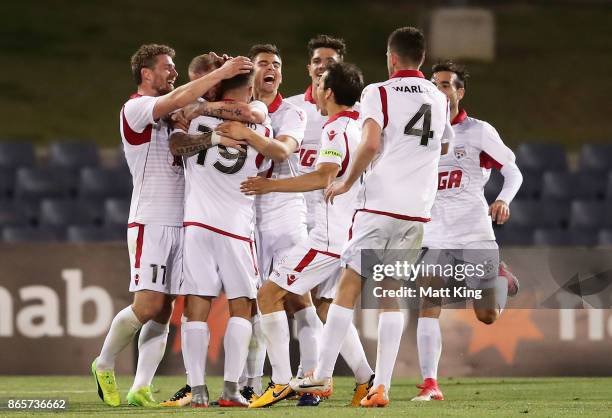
<point>155,219</point>
<point>219,251</point>
<point>461,230</point>
<point>405,122</point>
<point>323,50</point>
<point>317,259</point>
<point>280,222</point>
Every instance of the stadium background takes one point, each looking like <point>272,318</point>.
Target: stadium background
<point>66,74</point>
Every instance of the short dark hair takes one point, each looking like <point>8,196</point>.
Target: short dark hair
<point>263,49</point>
<point>146,56</point>
<point>326,41</point>
<point>204,63</point>
<point>408,43</point>
<point>238,81</point>
<point>458,69</point>
<point>345,81</point>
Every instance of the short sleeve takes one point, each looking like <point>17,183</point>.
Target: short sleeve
<point>259,105</point>
<point>293,124</point>
<point>372,102</point>
<point>138,112</point>
<point>333,146</point>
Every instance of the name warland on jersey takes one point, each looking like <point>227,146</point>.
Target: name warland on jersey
<point>408,89</point>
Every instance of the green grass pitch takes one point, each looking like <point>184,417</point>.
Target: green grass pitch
<point>465,397</point>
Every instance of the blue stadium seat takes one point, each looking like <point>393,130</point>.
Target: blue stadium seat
<point>12,215</point>
<point>16,234</point>
<point>15,154</point>
<point>103,183</point>
<point>64,212</point>
<point>7,183</point>
<point>605,237</point>
<point>514,235</point>
<point>587,214</point>
<point>33,184</point>
<point>73,154</point>
<point>539,214</point>
<point>596,158</point>
<point>88,233</point>
<point>559,185</point>
<point>560,237</point>
<point>116,212</point>
<point>531,187</point>
<point>609,187</point>
<point>540,157</point>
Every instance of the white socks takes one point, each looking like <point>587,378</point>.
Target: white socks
<point>276,331</point>
<point>501,293</point>
<point>122,331</point>
<point>352,352</point>
<point>257,356</point>
<point>390,328</point>
<point>339,321</point>
<point>429,343</point>
<point>151,349</point>
<point>236,345</point>
<point>195,351</point>
<point>309,329</point>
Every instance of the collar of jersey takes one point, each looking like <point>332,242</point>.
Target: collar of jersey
<point>407,73</point>
<point>308,95</point>
<point>348,113</point>
<point>460,117</point>
<point>135,96</point>
<point>273,107</point>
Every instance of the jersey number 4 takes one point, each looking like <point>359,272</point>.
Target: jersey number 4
<point>238,158</point>
<point>425,134</point>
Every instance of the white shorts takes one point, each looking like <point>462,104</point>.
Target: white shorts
<point>274,244</point>
<point>156,257</point>
<point>483,253</point>
<point>215,261</point>
<point>372,231</point>
<point>304,268</point>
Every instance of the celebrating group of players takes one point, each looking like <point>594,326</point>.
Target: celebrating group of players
<point>271,201</point>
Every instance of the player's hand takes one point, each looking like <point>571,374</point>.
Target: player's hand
<point>179,121</point>
<point>334,190</point>
<point>232,143</point>
<point>191,111</point>
<point>235,66</point>
<point>233,129</point>
<point>256,185</point>
<point>499,211</point>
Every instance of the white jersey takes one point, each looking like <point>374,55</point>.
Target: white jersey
<point>413,115</point>
<point>159,184</point>
<point>213,199</point>
<point>460,213</point>
<point>278,210</point>
<point>339,140</point>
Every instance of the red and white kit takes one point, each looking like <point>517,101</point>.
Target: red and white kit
<point>156,212</point>
<point>316,260</point>
<point>219,219</point>
<point>281,217</point>
<point>400,186</point>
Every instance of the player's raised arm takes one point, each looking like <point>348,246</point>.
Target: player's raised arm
<point>254,112</point>
<point>186,145</point>
<point>277,149</point>
<point>190,92</point>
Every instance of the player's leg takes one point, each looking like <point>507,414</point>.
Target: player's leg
<point>494,287</point>
<point>253,371</point>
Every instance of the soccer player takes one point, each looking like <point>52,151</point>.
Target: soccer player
<point>461,220</point>
<point>280,223</point>
<point>316,259</point>
<point>155,221</point>
<point>219,251</point>
<point>183,142</point>
<point>409,116</point>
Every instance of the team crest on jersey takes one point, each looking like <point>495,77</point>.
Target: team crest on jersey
<point>290,279</point>
<point>460,152</point>
<point>331,134</point>
<point>136,279</point>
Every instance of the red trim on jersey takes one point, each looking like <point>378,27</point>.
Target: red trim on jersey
<point>348,113</point>
<point>351,228</point>
<point>407,73</point>
<point>267,132</point>
<point>217,230</point>
<point>258,160</point>
<point>135,95</point>
<point>270,170</point>
<point>310,255</point>
<point>396,215</point>
<point>460,117</point>
<point>308,95</point>
<point>273,107</point>
<point>133,137</point>
<point>139,240</point>
<point>383,102</point>
<point>253,257</point>
<point>488,162</point>
<point>346,157</point>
